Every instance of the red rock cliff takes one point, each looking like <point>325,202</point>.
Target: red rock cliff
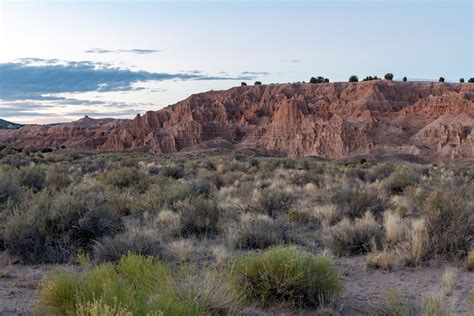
<point>332,120</point>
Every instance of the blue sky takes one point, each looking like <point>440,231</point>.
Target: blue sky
<point>60,60</point>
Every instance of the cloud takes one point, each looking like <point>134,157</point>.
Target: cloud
<point>294,61</point>
<point>41,79</point>
<point>254,73</point>
<point>118,51</point>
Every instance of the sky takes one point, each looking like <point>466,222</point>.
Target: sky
<point>61,60</point>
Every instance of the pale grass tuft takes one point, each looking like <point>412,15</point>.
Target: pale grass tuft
<point>448,281</point>
<point>435,305</point>
<point>168,223</point>
<point>395,228</point>
<point>381,259</point>
<point>469,262</point>
<point>417,248</point>
<point>311,188</point>
<point>221,255</point>
<point>326,214</point>
<point>181,250</point>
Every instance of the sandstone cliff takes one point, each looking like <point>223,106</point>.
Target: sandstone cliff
<point>333,120</point>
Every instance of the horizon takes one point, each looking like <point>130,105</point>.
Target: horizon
<point>61,60</point>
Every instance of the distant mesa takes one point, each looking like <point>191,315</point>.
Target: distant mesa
<point>9,125</point>
<point>431,121</point>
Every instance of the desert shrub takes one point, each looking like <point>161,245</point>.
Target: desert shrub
<point>51,229</point>
<point>273,202</point>
<point>138,285</point>
<point>398,181</point>
<point>9,188</point>
<point>461,80</point>
<point>354,202</point>
<point>285,275</point>
<point>441,79</point>
<point>56,181</point>
<point>394,304</point>
<point>389,76</point>
<point>257,83</point>
<point>172,171</point>
<point>471,80</point>
<point>259,232</point>
<point>355,237</point>
<point>111,249</point>
<point>449,221</point>
<point>32,177</point>
<point>128,178</point>
<point>379,172</point>
<point>199,216</point>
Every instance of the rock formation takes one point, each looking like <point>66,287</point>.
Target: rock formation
<point>434,121</point>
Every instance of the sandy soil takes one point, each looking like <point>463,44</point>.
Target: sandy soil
<point>362,287</point>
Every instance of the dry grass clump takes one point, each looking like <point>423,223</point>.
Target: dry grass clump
<point>381,259</point>
<point>286,276</point>
<point>395,304</point>
<point>355,237</point>
<point>448,281</point>
<point>469,261</point>
<point>417,248</point>
<point>258,232</point>
<point>326,214</point>
<point>396,229</point>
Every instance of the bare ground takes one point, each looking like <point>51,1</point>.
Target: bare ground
<point>362,287</point>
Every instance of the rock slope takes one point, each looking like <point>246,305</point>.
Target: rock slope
<point>434,121</point>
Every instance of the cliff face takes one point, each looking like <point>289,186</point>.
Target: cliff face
<point>333,120</point>
<point>86,133</point>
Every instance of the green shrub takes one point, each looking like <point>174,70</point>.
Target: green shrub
<point>128,178</point>
<point>259,232</point>
<point>32,177</point>
<point>441,79</point>
<point>405,79</point>
<point>389,76</point>
<point>274,202</point>
<point>285,275</point>
<point>199,216</point>
<point>135,284</point>
<point>471,80</point>
<point>48,228</point>
<point>356,237</point>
